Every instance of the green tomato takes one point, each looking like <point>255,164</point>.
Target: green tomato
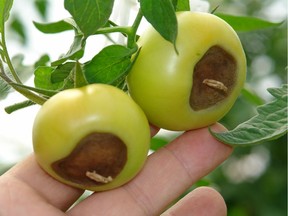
<point>95,137</point>
<point>196,86</point>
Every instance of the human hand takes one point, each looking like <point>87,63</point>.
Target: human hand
<point>27,190</point>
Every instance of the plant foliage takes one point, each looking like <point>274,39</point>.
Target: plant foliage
<point>269,124</point>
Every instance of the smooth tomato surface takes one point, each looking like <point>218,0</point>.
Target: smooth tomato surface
<point>72,114</point>
<point>161,80</point>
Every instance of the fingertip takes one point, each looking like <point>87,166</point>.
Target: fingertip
<point>219,128</point>
<point>201,201</point>
<point>211,198</point>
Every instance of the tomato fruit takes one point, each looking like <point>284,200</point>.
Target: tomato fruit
<point>95,137</point>
<point>196,86</point>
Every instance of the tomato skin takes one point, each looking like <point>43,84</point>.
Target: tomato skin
<point>160,81</point>
<point>71,114</point>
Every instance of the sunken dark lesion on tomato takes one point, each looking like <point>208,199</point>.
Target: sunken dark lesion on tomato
<point>96,160</point>
<point>214,77</point>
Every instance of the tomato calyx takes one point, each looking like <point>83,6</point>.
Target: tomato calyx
<point>213,78</point>
<point>97,159</point>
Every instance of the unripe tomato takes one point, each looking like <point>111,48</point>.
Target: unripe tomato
<point>197,86</point>
<point>95,137</point>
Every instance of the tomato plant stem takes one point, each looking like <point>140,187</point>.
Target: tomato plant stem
<point>7,58</point>
<point>132,36</point>
<point>129,31</point>
<point>16,80</point>
<point>18,106</point>
<point>106,30</point>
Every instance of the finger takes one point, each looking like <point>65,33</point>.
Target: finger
<point>18,198</point>
<point>30,174</point>
<point>201,201</point>
<point>166,175</point>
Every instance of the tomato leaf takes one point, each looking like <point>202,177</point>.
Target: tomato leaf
<point>42,7</point>
<point>24,72</point>
<point>42,78</point>
<point>245,23</point>
<point>61,72</point>
<point>42,61</point>
<point>16,25</point>
<point>75,52</point>
<point>79,77</point>
<point>161,15</point>
<point>5,7</point>
<point>181,5</point>
<point>89,14</point>
<point>269,124</point>
<point>157,143</point>
<point>54,27</point>
<point>4,89</point>
<point>69,75</point>
<point>108,65</point>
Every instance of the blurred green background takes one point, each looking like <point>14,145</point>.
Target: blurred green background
<point>253,180</point>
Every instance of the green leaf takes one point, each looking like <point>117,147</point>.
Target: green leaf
<point>42,7</point>
<point>79,77</point>
<point>269,124</point>
<point>5,7</point>
<point>108,65</point>
<point>89,14</point>
<point>278,92</point>
<point>62,72</point>
<point>181,5</point>
<point>75,52</point>
<point>16,24</point>
<point>42,61</point>
<point>158,142</point>
<point>54,27</point>
<point>42,79</point>
<point>161,15</point>
<point>24,72</point>
<point>68,75</point>
<point>4,89</point>
<point>245,23</point>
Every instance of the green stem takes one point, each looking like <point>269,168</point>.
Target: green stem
<point>18,106</point>
<point>129,31</point>
<point>7,57</point>
<point>133,30</point>
<point>107,30</point>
